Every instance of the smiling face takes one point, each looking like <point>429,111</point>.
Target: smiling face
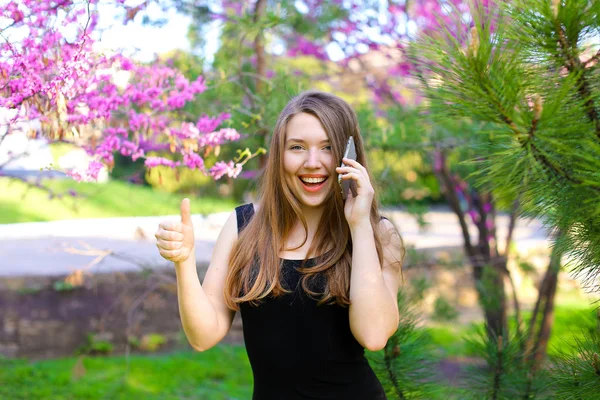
<point>308,160</point>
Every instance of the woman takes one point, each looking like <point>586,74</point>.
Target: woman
<point>314,277</point>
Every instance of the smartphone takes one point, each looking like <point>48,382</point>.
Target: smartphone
<point>350,153</point>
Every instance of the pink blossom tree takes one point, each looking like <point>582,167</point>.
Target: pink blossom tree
<point>51,72</point>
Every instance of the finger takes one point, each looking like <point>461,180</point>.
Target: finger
<point>348,169</point>
<point>186,217</point>
<point>352,175</point>
<point>353,163</point>
<point>168,245</point>
<point>171,226</point>
<point>168,235</point>
<point>169,253</point>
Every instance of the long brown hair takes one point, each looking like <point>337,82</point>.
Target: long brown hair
<point>254,266</point>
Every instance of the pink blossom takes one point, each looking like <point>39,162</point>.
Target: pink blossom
<point>304,46</point>
<point>396,9</point>
<point>93,170</point>
<point>189,131</point>
<point>152,162</point>
<point>487,207</point>
<point>193,161</point>
<point>221,168</point>
<point>251,174</point>
<point>474,215</point>
<point>75,175</point>
<point>219,137</point>
<point>45,75</point>
<point>137,154</point>
<point>128,148</point>
<point>207,124</point>
<point>402,69</point>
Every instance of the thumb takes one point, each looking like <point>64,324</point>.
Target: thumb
<point>186,217</point>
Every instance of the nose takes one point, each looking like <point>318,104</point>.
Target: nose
<point>312,159</point>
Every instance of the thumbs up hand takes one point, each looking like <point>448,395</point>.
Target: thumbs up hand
<point>175,240</point>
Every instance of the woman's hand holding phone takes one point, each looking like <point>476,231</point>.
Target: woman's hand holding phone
<point>357,207</point>
<point>349,153</point>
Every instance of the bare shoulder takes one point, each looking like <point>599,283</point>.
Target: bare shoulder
<point>229,232</point>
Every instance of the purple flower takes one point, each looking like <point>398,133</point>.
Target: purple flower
<point>75,175</point>
<point>152,162</point>
<point>111,102</point>
<point>193,161</point>
<point>93,170</point>
<point>221,168</point>
<point>128,148</point>
<point>207,124</point>
<point>307,48</point>
<point>474,215</point>
<point>487,207</point>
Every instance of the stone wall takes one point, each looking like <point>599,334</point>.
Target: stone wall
<point>41,319</point>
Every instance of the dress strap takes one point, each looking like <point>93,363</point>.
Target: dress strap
<point>244,213</point>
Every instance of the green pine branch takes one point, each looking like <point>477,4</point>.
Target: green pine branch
<point>527,82</point>
<point>407,366</point>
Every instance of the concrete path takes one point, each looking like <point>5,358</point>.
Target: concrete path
<point>61,247</point>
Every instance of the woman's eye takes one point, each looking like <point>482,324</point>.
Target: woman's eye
<point>328,148</point>
<point>296,147</point>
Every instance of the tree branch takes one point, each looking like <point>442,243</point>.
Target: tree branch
<point>499,370</point>
<point>537,154</point>
<point>391,372</point>
<point>511,227</point>
<point>453,201</point>
<point>259,47</point>
<point>574,64</point>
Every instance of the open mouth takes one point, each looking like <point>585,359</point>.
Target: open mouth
<point>313,184</point>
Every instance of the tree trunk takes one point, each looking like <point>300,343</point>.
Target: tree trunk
<point>261,72</point>
<point>539,332</point>
<point>489,268</point>
<point>489,282</point>
<point>259,46</point>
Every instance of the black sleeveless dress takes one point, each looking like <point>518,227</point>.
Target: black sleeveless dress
<point>301,351</point>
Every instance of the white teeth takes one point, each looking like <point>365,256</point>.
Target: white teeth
<point>313,180</point>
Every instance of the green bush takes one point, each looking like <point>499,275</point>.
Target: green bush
<point>97,344</point>
<point>443,310</point>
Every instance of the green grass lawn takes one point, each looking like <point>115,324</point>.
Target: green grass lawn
<point>222,373</point>
<point>112,199</point>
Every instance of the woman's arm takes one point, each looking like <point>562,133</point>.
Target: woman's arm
<point>373,286</point>
<point>374,313</point>
<point>204,316</point>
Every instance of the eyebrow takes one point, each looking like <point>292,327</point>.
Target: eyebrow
<point>302,141</point>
